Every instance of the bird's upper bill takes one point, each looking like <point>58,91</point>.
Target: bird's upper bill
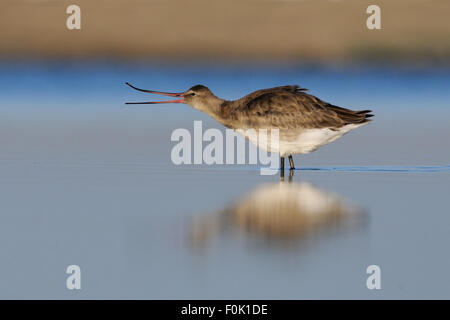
<point>170,94</point>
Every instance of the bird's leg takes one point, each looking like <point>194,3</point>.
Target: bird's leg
<point>282,169</point>
<point>291,163</point>
<point>291,175</point>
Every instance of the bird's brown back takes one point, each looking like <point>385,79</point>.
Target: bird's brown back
<point>287,107</point>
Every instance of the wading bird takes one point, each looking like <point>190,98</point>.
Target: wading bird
<point>305,122</point>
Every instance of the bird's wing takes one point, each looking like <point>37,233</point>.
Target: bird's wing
<point>258,93</point>
<point>291,107</point>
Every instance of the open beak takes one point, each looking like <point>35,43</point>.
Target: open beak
<point>170,94</point>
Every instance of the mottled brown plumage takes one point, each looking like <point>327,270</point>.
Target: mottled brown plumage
<point>287,107</point>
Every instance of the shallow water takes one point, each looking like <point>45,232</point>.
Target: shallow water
<point>88,181</point>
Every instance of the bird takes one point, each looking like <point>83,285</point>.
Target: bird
<point>304,121</point>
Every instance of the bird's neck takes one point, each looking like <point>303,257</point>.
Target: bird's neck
<point>213,107</point>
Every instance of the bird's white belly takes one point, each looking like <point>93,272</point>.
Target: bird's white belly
<point>307,141</point>
<point>301,141</point>
<point>310,139</point>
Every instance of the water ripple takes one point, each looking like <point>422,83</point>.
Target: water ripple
<point>444,168</point>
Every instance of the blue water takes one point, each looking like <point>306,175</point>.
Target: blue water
<point>86,180</point>
<point>64,84</point>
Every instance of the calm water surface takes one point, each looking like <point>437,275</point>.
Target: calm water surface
<point>85,180</point>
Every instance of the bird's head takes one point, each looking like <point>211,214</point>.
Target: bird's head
<point>198,97</point>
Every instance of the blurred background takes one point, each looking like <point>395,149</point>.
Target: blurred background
<point>86,180</point>
<point>280,30</point>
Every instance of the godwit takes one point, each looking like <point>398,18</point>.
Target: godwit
<point>305,122</point>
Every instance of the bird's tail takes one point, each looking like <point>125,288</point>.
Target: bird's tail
<point>366,113</point>
<point>350,116</point>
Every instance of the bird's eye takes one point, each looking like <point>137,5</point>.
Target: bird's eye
<point>192,94</point>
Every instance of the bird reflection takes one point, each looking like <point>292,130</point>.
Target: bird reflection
<point>283,213</point>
